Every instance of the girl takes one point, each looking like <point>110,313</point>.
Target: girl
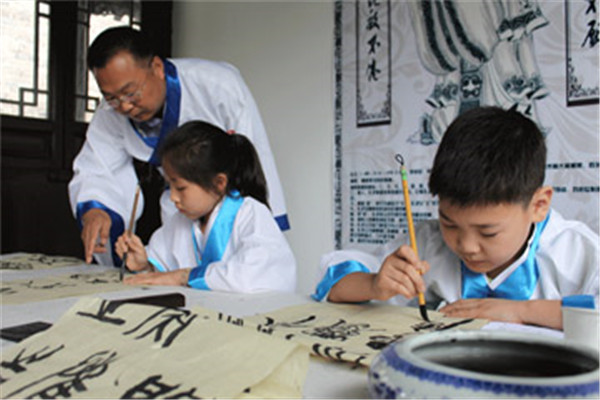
<point>224,236</point>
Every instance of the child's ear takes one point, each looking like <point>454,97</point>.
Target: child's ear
<point>220,182</point>
<point>540,203</point>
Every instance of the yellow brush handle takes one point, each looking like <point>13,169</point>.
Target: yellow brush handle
<point>411,225</point>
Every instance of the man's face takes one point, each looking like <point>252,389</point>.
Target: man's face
<point>135,88</point>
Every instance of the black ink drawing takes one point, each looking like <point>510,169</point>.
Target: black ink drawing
<point>153,388</point>
<point>19,362</point>
<point>270,325</point>
<point>337,353</point>
<point>106,307</point>
<point>230,319</point>
<point>36,261</point>
<point>438,326</point>
<point>340,330</point>
<point>93,279</point>
<point>378,342</point>
<point>158,323</point>
<point>68,382</point>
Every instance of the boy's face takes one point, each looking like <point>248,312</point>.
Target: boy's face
<point>489,238</point>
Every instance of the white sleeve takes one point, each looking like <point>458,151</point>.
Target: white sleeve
<point>103,170</point>
<point>258,257</point>
<point>336,265</point>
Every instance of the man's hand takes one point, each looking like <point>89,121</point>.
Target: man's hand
<point>95,232</point>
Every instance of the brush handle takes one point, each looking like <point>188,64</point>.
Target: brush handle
<point>411,224</point>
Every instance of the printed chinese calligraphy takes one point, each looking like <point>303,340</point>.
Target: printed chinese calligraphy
<point>102,349</point>
<point>31,261</point>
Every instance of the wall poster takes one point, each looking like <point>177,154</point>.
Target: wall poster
<point>405,69</point>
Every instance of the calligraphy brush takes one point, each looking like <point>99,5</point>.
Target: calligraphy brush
<point>129,229</point>
<point>411,228</point>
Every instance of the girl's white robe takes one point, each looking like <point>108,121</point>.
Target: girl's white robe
<point>256,258</point>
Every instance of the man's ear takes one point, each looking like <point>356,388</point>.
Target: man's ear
<point>220,182</point>
<point>158,67</point>
<point>540,203</point>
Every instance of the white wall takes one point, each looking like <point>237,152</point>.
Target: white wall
<point>284,50</point>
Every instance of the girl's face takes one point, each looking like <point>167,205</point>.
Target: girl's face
<point>490,238</point>
<point>191,199</point>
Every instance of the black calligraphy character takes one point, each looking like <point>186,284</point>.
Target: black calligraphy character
<point>270,325</point>
<point>438,326</point>
<point>373,44</point>
<point>8,290</point>
<point>63,383</point>
<point>161,320</point>
<point>15,265</point>
<point>373,71</point>
<point>231,320</point>
<point>106,307</point>
<point>341,330</point>
<point>593,34</point>
<point>378,342</point>
<point>153,388</point>
<point>18,363</point>
<point>373,21</point>
<point>32,285</point>
<point>373,3</point>
<point>91,279</point>
<point>591,7</point>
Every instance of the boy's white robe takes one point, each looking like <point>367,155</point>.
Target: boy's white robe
<point>567,259</point>
<point>210,91</point>
<point>257,256</point>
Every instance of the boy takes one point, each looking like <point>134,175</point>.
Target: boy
<point>498,251</point>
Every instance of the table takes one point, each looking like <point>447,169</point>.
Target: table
<point>325,379</point>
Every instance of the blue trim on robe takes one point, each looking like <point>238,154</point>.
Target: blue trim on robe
<point>170,119</point>
<point>283,222</point>
<point>157,265</point>
<point>521,283</point>
<point>117,226</point>
<point>579,301</point>
<point>218,238</point>
<point>333,276</point>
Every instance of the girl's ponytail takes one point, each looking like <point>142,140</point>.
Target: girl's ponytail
<point>246,174</point>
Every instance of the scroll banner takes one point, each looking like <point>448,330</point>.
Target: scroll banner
<point>406,69</point>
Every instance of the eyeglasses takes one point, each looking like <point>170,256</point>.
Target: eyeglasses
<point>129,98</point>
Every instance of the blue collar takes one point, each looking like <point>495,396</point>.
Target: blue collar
<point>518,286</point>
<point>170,119</point>
<point>218,238</point>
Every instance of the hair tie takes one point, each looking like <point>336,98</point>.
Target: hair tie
<point>231,131</point>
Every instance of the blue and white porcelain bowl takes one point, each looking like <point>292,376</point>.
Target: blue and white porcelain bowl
<point>484,364</point>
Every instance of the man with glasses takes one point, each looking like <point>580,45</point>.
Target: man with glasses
<point>145,98</point>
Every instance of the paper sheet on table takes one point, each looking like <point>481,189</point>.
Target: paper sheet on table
<point>56,287</point>
<point>100,349</point>
<point>35,261</point>
<point>352,333</point>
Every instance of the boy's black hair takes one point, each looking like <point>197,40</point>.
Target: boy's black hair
<point>489,156</point>
<point>198,151</point>
<point>117,39</point>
